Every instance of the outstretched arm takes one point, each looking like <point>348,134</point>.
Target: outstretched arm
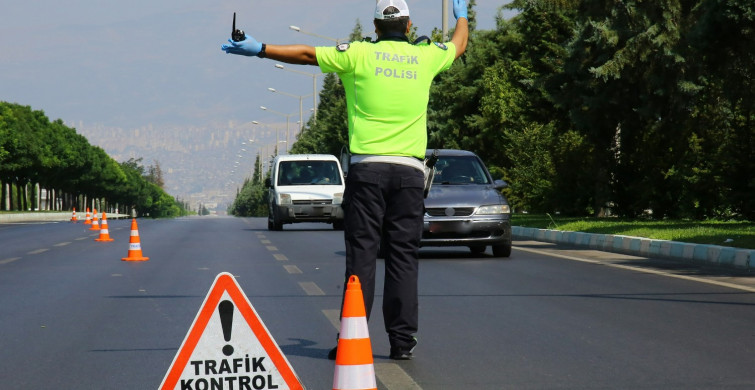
<point>461,32</point>
<point>291,54</point>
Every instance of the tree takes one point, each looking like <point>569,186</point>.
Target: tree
<point>250,201</point>
<point>155,175</point>
<point>330,133</point>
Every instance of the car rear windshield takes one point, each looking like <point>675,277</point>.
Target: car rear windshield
<point>460,170</point>
<point>308,172</point>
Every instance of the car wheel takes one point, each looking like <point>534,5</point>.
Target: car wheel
<point>502,250</point>
<point>276,223</point>
<point>477,249</point>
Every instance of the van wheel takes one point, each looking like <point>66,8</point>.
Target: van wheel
<point>273,222</point>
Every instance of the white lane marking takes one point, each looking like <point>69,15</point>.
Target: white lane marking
<point>640,269</point>
<point>38,251</point>
<point>334,316</point>
<point>29,223</point>
<point>280,257</point>
<point>62,244</point>
<point>10,260</point>
<point>271,248</point>
<point>311,288</point>
<point>81,238</point>
<point>292,269</point>
<point>391,375</point>
<point>265,242</point>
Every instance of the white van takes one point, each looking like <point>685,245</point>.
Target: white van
<point>305,188</point>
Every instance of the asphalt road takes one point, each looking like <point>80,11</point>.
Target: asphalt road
<point>74,316</point>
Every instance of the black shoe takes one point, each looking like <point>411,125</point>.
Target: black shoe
<point>332,353</point>
<point>403,353</point>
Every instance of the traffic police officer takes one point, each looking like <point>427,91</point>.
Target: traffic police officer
<point>387,85</point>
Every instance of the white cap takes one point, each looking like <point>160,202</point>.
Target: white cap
<point>403,9</point>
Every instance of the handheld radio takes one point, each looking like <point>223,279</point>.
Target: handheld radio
<point>236,35</point>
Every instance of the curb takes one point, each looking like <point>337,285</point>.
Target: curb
<point>712,255</point>
<point>46,217</point>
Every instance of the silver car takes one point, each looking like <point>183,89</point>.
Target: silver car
<point>465,206</point>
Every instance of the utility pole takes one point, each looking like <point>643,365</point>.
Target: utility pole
<point>445,19</point>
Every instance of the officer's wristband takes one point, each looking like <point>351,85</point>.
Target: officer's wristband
<point>263,52</point>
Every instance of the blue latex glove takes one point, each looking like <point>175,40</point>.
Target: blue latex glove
<point>247,47</point>
<point>460,9</point>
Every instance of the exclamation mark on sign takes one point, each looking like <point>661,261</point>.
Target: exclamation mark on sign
<point>225,309</point>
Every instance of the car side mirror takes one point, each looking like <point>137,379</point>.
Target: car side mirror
<point>268,184</point>
<point>500,184</point>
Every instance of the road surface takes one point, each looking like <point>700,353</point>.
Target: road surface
<point>74,316</point>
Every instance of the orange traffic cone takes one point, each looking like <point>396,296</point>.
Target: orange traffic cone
<point>104,233</point>
<point>73,217</point>
<point>88,220</point>
<point>95,221</point>
<point>134,245</point>
<point>354,366</point>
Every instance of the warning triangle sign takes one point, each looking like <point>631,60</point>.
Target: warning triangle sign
<point>228,347</point>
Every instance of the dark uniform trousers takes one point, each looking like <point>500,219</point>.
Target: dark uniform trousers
<point>383,199</point>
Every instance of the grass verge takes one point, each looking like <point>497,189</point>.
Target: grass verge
<point>739,234</point>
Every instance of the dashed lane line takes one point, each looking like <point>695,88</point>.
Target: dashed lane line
<point>311,288</point>
<point>81,238</point>
<point>334,316</point>
<point>62,243</point>
<point>10,260</point>
<point>391,375</point>
<point>38,251</point>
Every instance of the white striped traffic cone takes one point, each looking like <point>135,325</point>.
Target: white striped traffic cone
<point>104,232</point>
<point>95,221</point>
<point>354,366</point>
<point>134,245</point>
<point>88,220</point>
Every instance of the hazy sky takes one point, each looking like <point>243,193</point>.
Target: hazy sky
<point>137,62</point>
